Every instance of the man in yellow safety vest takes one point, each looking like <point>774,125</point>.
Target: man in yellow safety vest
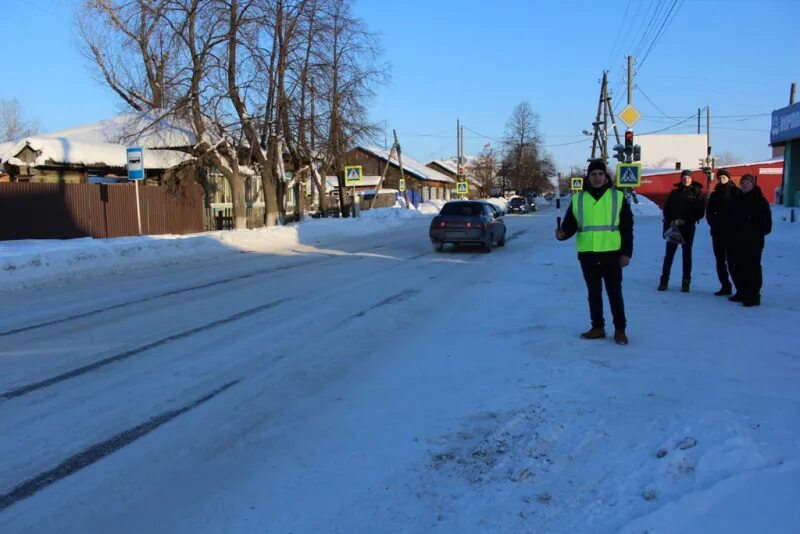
<point>603,222</point>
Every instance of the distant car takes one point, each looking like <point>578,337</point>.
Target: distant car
<point>468,221</point>
<point>519,205</point>
<point>534,202</point>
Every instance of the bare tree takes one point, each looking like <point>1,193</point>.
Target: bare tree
<point>524,163</point>
<point>350,74</point>
<point>133,48</point>
<point>13,125</point>
<point>482,168</point>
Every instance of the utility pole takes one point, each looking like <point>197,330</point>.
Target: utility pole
<point>596,139</point>
<point>400,161</point>
<point>698,121</point>
<point>630,80</point>
<point>793,94</point>
<point>708,134</point>
<point>613,119</point>
<point>605,122</point>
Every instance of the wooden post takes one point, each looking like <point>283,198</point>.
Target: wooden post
<point>400,161</point>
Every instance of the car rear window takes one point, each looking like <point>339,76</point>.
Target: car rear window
<point>468,209</point>
<point>517,201</point>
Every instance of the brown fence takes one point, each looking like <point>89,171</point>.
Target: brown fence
<point>62,211</point>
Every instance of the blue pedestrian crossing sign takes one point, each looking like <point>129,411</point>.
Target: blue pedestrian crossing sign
<point>629,174</point>
<point>353,175</point>
<point>576,183</point>
<point>462,188</point>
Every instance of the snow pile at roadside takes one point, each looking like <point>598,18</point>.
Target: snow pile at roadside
<point>31,262</point>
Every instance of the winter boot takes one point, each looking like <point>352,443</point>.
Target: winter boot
<point>724,291</point>
<point>685,285</point>
<point>750,302</point>
<point>620,337</point>
<point>736,297</point>
<point>662,284</point>
<point>594,333</point>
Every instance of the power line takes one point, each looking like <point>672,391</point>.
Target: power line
<point>664,25</point>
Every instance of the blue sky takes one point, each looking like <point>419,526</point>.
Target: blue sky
<point>476,61</point>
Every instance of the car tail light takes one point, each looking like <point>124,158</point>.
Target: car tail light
<point>442,224</point>
<point>475,225</point>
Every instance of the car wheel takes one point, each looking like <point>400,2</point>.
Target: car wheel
<point>502,241</point>
<point>438,246</point>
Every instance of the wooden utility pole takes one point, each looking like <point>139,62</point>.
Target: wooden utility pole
<point>400,161</point>
<point>383,175</point>
<point>605,124</point>
<point>698,121</point>
<point>596,135</point>
<point>613,119</point>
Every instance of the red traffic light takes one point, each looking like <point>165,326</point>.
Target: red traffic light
<point>629,138</point>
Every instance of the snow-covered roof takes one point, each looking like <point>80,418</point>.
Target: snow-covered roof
<point>152,129</point>
<point>450,165</point>
<point>410,165</point>
<point>68,151</point>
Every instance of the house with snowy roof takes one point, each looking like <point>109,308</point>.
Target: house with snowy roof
<point>422,182</point>
<point>96,152</point>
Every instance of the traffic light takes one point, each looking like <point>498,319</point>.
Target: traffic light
<point>637,153</point>
<point>628,145</point>
<point>620,152</point>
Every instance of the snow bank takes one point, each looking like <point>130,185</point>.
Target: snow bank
<point>32,262</point>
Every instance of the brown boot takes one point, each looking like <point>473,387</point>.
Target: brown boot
<point>620,337</point>
<point>594,333</point>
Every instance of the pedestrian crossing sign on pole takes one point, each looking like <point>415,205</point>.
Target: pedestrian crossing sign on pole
<point>629,174</point>
<point>402,185</point>
<point>576,183</point>
<point>462,188</point>
<point>353,175</point>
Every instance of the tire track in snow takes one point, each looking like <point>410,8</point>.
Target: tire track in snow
<point>100,450</point>
<point>94,366</point>
<point>222,281</point>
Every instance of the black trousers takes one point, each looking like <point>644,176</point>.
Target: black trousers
<point>746,272</point>
<point>687,231</point>
<point>599,268</point>
<point>723,256</point>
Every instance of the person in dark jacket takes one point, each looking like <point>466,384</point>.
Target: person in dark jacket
<point>719,215</point>
<point>602,218</point>
<point>685,206</point>
<point>752,220</point>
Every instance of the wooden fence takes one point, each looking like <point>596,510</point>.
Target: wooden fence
<point>63,211</point>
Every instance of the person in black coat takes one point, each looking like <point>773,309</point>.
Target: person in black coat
<point>685,206</point>
<point>719,215</point>
<point>752,220</point>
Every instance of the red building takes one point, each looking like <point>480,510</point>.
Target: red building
<point>657,186</point>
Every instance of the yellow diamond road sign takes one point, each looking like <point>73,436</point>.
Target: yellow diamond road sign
<point>630,115</point>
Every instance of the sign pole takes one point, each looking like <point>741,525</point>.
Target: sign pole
<point>558,202</point>
<point>138,208</point>
<point>135,157</point>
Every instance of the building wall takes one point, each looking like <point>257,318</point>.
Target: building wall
<point>373,166</point>
<point>657,187</point>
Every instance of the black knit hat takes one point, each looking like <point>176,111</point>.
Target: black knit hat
<point>723,172</point>
<point>596,165</point>
<point>749,177</point>
<point>686,172</point>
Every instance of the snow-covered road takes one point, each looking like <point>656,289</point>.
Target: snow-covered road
<point>374,385</point>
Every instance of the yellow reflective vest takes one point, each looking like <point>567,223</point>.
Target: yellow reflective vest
<point>598,221</point>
